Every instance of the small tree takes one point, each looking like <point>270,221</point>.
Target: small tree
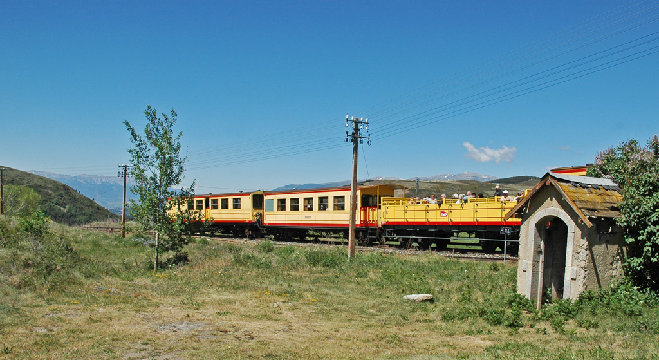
<point>21,200</point>
<point>635,169</point>
<point>156,167</point>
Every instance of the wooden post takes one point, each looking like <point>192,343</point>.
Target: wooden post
<point>155,262</point>
<point>123,204</point>
<point>2,194</point>
<point>353,191</point>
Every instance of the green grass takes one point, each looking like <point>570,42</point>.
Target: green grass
<point>263,300</point>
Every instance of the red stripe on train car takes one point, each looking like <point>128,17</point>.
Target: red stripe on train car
<point>459,223</point>
<point>315,225</point>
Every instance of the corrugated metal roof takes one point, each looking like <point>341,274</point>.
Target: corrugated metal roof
<point>586,180</point>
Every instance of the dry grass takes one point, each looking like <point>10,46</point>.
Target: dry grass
<point>256,301</point>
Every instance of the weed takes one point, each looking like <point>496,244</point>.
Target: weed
<point>265,246</point>
<point>251,261</point>
<point>37,224</point>
<point>325,258</point>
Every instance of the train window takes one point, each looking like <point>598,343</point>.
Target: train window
<point>269,205</point>
<point>236,203</point>
<point>323,203</point>
<point>308,204</point>
<point>339,203</point>
<point>281,204</point>
<point>199,204</point>
<point>295,204</point>
<point>369,201</point>
<point>224,203</point>
<point>190,205</point>
<point>214,204</point>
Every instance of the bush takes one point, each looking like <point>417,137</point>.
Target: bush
<point>635,169</point>
<point>265,246</point>
<point>325,258</point>
<point>179,258</point>
<point>37,224</point>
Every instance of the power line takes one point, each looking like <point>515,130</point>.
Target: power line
<point>623,22</point>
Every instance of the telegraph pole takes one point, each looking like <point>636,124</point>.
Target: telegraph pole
<point>356,138</point>
<point>123,171</point>
<point>2,193</point>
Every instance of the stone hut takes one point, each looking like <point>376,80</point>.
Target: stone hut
<point>569,241</point>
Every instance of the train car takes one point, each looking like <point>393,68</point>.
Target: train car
<point>236,213</point>
<point>407,221</point>
<point>293,214</point>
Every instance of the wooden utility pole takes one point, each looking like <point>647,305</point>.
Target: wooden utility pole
<point>356,139</point>
<point>123,171</point>
<point>2,193</point>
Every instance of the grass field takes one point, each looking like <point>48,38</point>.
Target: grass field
<point>78,294</point>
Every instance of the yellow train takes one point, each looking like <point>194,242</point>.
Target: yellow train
<point>381,216</point>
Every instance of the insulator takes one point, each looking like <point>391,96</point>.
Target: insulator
<point>346,118</point>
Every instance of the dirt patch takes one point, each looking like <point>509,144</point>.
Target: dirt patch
<point>184,326</point>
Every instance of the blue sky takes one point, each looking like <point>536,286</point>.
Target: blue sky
<point>262,88</point>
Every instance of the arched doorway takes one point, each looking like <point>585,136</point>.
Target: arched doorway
<point>553,236</point>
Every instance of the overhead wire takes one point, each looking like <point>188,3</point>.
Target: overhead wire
<point>502,92</point>
<point>291,147</point>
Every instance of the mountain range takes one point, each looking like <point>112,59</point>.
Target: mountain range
<point>107,191</point>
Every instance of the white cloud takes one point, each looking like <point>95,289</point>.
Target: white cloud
<point>485,154</point>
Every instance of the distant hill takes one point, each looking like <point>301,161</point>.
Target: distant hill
<point>60,202</point>
<point>107,191</point>
<point>531,180</point>
<point>311,186</point>
<point>434,178</point>
<point>427,188</point>
<point>461,176</point>
<point>457,184</point>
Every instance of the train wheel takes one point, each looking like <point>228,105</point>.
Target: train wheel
<point>406,243</point>
<point>424,244</point>
<point>513,249</point>
<point>441,244</point>
<point>489,246</point>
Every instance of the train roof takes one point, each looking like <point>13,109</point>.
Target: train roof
<point>293,191</point>
<point>334,188</point>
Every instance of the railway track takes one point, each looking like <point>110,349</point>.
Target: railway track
<point>450,253</point>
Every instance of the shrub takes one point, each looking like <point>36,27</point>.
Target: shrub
<point>325,258</point>
<point>37,224</point>
<point>265,246</point>
<point>635,169</point>
<point>179,258</point>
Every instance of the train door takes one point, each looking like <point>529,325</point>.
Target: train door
<point>257,207</point>
<point>207,209</point>
<point>368,209</point>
